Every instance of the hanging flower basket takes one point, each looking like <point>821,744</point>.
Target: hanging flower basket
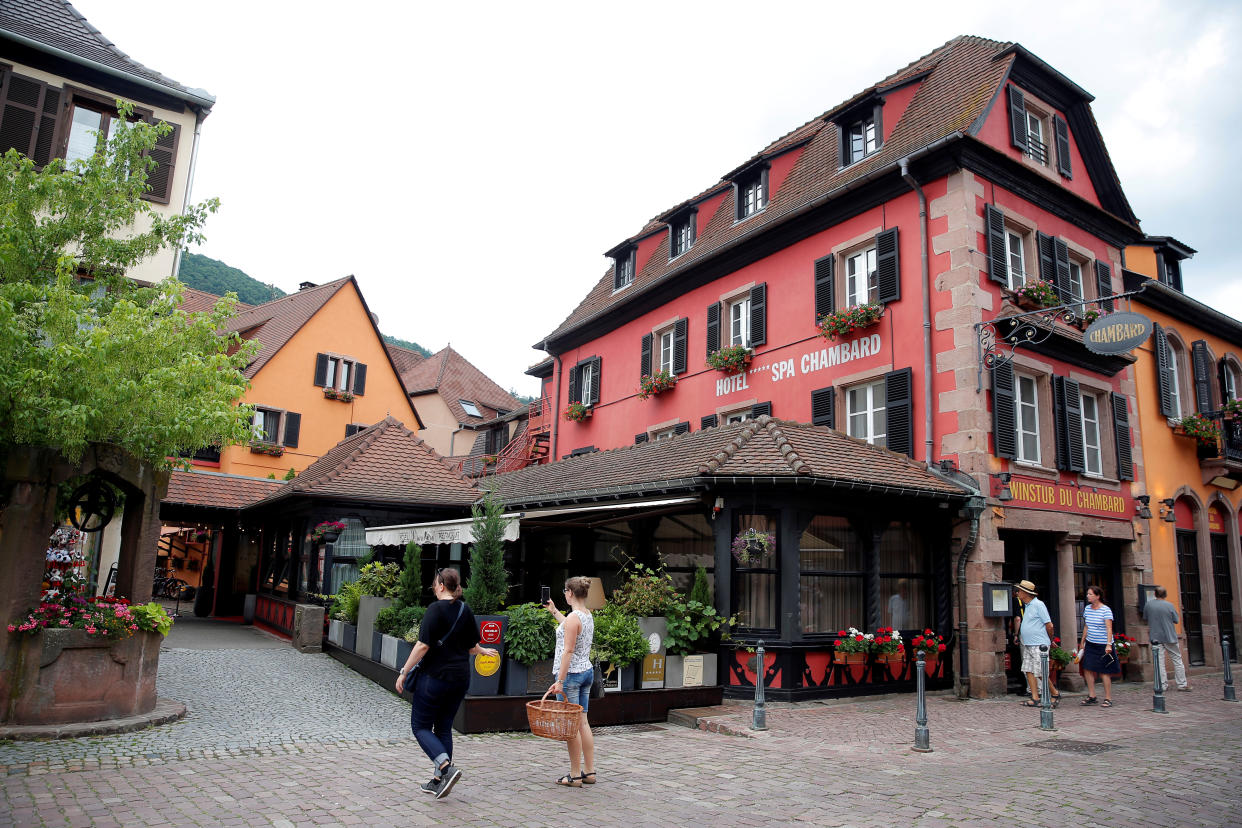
<point>832,325</point>
<point>732,359</point>
<point>753,546</point>
<point>577,412</point>
<point>329,530</point>
<point>334,394</point>
<point>649,385</point>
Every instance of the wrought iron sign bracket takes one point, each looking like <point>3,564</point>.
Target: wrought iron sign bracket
<point>1030,328</point>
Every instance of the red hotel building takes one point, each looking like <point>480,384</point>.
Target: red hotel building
<point>937,193</point>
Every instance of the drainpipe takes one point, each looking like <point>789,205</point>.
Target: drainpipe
<point>928,420</point>
<point>453,440</point>
<point>553,405</point>
<point>199,115</point>
<point>974,509</point>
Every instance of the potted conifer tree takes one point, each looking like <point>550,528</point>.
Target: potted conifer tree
<point>487,590</point>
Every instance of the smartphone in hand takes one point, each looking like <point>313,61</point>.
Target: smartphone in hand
<point>545,594</point>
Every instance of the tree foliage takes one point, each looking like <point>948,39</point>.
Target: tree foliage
<point>489,581</point>
<point>89,355</point>
<point>408,345</point>
<point>214,276</point>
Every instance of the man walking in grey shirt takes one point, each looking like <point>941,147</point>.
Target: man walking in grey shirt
<point>1161,616</point>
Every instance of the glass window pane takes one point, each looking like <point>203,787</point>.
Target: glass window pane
<point>83,134</point>
<point>904,603</point>
<point>828,544</point>
<point>756,599</point>
<point>902,550</point>
<point>829,603</point>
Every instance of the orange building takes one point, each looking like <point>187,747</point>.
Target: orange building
<point>1188,376</point>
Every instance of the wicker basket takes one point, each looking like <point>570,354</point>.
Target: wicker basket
<point>553,719</point>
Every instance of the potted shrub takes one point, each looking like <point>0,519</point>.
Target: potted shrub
<point>1058,659</point>
<point>409,622</point>
<point>752,547</point>
<point>856,317</point>
<point>577,412</point>
<point>692,629</point>
<point>931,645</point>
<point>889,650</point>
<point>1037,294</point>
<point>851,649</point>
<point>345,610</point>
<point>487,590</point>
<point>731,359</point>
<point>619,647</point>
<point>530,642</point>
<point>649,385</point>
<point>647,594</point>
<point>377,586</point>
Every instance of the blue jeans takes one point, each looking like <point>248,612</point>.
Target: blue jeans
<point>431,716</point>
<point>577,688</point>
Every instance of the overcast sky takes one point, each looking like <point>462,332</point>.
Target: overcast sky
<point>470,163</point>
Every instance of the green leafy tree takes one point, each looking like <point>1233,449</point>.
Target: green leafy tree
<point>89,355</point>
<point>489,580</point>
<point>408,345</point>
<point>410,587</point>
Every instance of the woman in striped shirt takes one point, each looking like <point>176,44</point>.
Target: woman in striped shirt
<point>1098,657</point>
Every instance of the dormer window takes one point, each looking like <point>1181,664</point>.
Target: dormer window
<point>862,132</point>
<point>681,233</point>
<point>1032,131</point>
<point>623,268</point>
<point>862,140</point>
<point>752,192</point>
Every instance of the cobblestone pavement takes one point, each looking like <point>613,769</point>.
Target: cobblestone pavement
<point>275,738</point>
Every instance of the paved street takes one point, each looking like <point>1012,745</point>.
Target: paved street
<point>276,738</point>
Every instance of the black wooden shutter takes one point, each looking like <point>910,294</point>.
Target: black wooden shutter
<point>597,379</point>
<point>763,188</point>
<point>998,262</point>
<point>1063,146</point>
<point>1164,370</point>
<point>825,273</point>
<point>823,407</point>
<point>759,409</point>
<point>887,265</point>
<point>293,429</point>
<point>713,328</point>
<point>360,378</point>
<point>759,314</point>
<point>1104,284</point>
<point>1017,118</point>
<point>164,153</point>
<point>1047,258</point>
<point>352,428</point>
<point>681,428</point>
<point>1121,430</point>
<point>641,438</point>
<point>1061,249</point>
<point>46,133</point>
<point>321,370</point>
<point>22,114</point>
<point>680,329</point>
<point>708,422</point>
<point>644,356</point>
<point>899,410</point>
<point>1067,414</point>
<point>1004,413</point>
<point>1203,375</point>
<point>573,383</point>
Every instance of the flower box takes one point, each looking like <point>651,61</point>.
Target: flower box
<point>577,412</point>
<point>335,394</point>
<point>1037,294</point>
<point>856,317</point>
<point>270,449</point>
<point>650,385</point>
<point>732,359</point>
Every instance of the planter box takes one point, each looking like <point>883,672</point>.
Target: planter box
<point>673,676</point>
<point>336,632</point>
<point>349,636</point>
<point>377,645</point>
<point>368,608</point>
<point>403,652</point>
<point>485,671</point>
<point>623,678</point>
<point>388,651</point>
<point>515,678</point>
<point>67,676</point>
<point>702,669</point>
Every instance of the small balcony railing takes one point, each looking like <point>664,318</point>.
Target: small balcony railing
<point>1037,150</point>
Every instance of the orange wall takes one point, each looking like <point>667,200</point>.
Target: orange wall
<point>287,381</point>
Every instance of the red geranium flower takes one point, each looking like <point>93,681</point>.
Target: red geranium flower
<point>941,648</point>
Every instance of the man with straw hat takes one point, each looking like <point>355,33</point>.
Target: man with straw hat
<point>1036,630</point>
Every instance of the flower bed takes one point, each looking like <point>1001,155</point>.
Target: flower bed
<point>832,325</point>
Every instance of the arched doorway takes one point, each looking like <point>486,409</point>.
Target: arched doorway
<point>1222,579</point>
<point>1189,585</point>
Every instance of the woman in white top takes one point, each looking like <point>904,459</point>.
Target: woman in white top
<point>574,676</point>
<point>1098,657</point>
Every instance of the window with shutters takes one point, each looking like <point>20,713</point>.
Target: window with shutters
<point>1230,385</point>
<point>584,381</point>
<point>623,267</point>
<point>87,127</point>
<point>870,272</point>
<point>1177,373</point>
<point>1036,148</point>
<point>1015,256</point>
<point>740,414</point>
<point>739,322</point>
<point>861,284</point>
<point>276,426</point>
<point>1092,455</point>
<point>1041,135</point>
<point>1027,410</point>
<point>665,345</point>
<point>340,373</point>
<point>866,413</point>
<point>681,234</point>
<point>664,349</point>
<point>1075,281</point>
<point>751,189</point>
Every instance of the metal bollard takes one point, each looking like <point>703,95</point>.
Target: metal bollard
<point>1229,694</point>
<point>1157,696</point>
<point>760,719</point>
<point>922,739</point>
<point>1045,691</point>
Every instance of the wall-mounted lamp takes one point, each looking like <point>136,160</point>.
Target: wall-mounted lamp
<point>717,506</point>
<point>1143,509</point>
<point>1166,510</point>
<point>1005,494</point>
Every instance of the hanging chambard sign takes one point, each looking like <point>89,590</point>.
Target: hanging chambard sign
<point>1117,333</point>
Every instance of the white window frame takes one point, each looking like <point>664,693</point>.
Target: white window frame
<point>1230,391</point>
<point>663,434</point>
<point>739,416</point>
<point>871,288</point>
<point>739,321</point>
<point>340,373</point>
<point>664,342</point>
<point>467,405</point>
<point>586,382</point>
<point>1016,279</point>
<point>625,270</point>
<point>1092,439</point>
<point>682,241</point>
<point>1175,371</point>
<point>862,139</point>
<point>862,420</point>
<point>260,434</point>
<point>1035,136</point>
<point>105,124</point>
<point>1075,280</point>
<point>1026,417</point>
<point>752,197</point>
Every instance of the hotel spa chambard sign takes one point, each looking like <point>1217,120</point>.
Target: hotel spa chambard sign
<point>1116,333</point>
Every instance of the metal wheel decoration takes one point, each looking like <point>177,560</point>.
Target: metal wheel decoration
<point>91,506</point>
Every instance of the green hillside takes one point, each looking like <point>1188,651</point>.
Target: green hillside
<point>214,276</point>
<point>407,344</point>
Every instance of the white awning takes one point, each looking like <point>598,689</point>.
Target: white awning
<point>458,531</point>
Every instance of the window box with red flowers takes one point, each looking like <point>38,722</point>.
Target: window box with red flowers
<point>270,449</point>
<point>1205,431</point>
<point>732,359</point>
<point>931,645</point>
<point>832,325</point>
<point>851,650</point>
<point>889,649</point>
<point>337,394</point>
<point>577,412</point>
<point>649,385</point>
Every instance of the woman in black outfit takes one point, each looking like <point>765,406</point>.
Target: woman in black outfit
<point>447,635</point>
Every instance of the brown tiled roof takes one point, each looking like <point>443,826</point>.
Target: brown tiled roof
<point>403,359</point>
<point>200,301</point>
<point>383,463</point>
<point>764,447</point>
<point>452,375</point>
<point>274,323</point>
<point>58,25</point>
<point>217,491</point>
<point>963,77</point>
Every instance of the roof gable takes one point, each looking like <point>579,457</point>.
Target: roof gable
<point>455,378</point>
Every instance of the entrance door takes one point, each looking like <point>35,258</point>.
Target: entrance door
<point>1029,556</point>
<point>1188,583</point>
<point>1223,582</point>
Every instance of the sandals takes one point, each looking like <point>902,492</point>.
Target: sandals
<point>1106,703</point>
<point>570,781</point>
<point>588,778</point>
<point>1029,703</point>
<point>1091,700</point>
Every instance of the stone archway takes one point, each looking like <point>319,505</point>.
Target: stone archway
<point>28,492</point>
